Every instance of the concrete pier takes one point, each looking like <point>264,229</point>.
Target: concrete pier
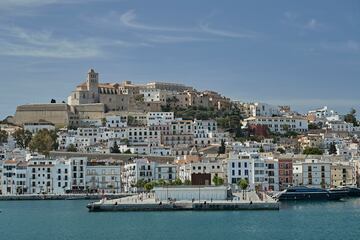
<point>149,203</point>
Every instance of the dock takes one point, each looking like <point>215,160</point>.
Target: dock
<point>147,202</point>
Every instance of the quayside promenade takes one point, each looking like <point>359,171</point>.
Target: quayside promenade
<point>62,197</point>
<point>149,202</point>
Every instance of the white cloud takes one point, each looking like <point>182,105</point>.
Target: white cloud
<point>176,39</point>
<point>25,3</point>
<point>128,19</point>
<point>312,24</point>
<point>290,15</point>
<point>11,4</point>
<point>15,41</point>
<point>353,45</point>
<point>349,46</point>
<point>223,33</point>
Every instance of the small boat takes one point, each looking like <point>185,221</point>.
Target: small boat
<point>310,194</point>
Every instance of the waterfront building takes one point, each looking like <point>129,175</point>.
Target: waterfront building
<point>62,176</point>
<point>8,177</point>
<point>78,173</point>
<point>144,170</point>
<point>272,170</point>
<point>285,173</point>
<point>248,166</point>
<point>312,173</point>
<point>103,176</point>
<point>40,172</point>
<point>214,168</point>
<point>343,174</point>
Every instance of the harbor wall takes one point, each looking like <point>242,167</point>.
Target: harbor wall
<point>184,207</point>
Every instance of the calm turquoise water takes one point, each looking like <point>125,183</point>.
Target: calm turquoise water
<point>40,220</point>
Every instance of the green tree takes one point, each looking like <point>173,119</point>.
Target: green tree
<point>281,150</point>
<point>178,181</point>
<point>131,121</point>
<point>22,138</point>
<point>128,151</point>
<point>351,117</point>
<point>148,186</point>
<point>313,151</point>
<point>42,142</point>
<point>313,126</point>
<point>187,182</point>
<point>332,148</point>
<point>161,182</point>
<point>139,98</point>
<point>3,136</point>
<point>140,184</point>
<point>261,149</point>
<point>222,148</point>
<point>103,122</point>
<point>54,136</point>
<point>115,148</point>
<point>218,181</point>
<point>71,148</point>
<point>243,184</point>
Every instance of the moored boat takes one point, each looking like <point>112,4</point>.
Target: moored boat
<point>310,194</point>
<point>352,191</point>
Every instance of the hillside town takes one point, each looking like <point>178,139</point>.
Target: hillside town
<point>127,138</point>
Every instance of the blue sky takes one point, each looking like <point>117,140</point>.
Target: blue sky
<point>303,53</point>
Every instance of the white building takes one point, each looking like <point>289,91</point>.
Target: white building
<point>272,171</point>
<point>341,126</point>
<point>155,95</point>
<point>8,177</point>
<point>142,135</point>
<point>103,176</point>
<point>116,121</point>
<point>214,168</point>
<point>248,166</point>
<point>260,109</point>
<point>280,124</point>
<point>159,118</point>
<point>35,127</point>
<point>78,173</point>
<point>203,132</point>
<point>315,173</point>
<point>323,114</point>
<point>40,172</point>
<point>62,176</point>
<point>143,169</point>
